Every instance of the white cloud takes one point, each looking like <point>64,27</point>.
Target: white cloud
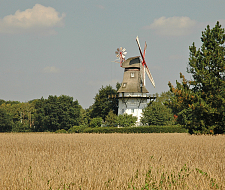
<point>39,19</point>
<point>173,26</point>
<point>51,70</point>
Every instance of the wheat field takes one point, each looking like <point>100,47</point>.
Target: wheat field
<point>111,161</point>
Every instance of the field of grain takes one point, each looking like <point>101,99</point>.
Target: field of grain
<point>111,161</point>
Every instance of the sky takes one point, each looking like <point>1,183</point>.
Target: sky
<point>55,47</point>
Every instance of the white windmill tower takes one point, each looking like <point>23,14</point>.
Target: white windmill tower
<point>133,94</point>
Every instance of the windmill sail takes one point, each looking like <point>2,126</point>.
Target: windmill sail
<point>149,75</point>
<point>144,63</point>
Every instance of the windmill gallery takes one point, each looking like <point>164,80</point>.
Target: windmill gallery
<point>133,95</point>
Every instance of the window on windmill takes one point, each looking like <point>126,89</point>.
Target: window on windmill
<point>122,111</point>
<point>132,110</point>
<point>132,75</point>
<point>124,85</point>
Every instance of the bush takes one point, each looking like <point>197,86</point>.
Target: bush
<point>126,120</point>
<point>157,114</point>
<point>143,129</point>
<point>96,122</point>
<point>61,131</point>
<point>77,129</point>
<point>111,119</point>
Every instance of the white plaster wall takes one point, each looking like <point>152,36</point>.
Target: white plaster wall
<point>132,106</point>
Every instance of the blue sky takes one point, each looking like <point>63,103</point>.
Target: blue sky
<point>54,47</point>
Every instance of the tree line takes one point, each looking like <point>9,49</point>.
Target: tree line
<point>197,104</point>
<point>62,112</point>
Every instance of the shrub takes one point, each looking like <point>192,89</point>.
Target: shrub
<point>157,114</point>
<point>126,120</point>
<point>96,122</point>
<point>143,129</point>
<point>77,129</point>
<point>61,131</point>
<point>111,119</point>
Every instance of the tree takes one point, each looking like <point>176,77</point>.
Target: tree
<point>105,101</point>
<point>157,114</point>
<point>111,119</point>
<point>5,121</point>
<point>56,113</point>
<point>200,102</point>
<point>22,115</point>
<point>126,120</point>
<point>95,122</point>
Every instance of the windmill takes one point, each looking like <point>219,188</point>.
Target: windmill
<point>132,94</point>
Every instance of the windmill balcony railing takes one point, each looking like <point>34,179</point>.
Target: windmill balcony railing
<point>147,96</point>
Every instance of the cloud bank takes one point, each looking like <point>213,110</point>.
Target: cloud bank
<point>173,26</point>
<point>39,19</point>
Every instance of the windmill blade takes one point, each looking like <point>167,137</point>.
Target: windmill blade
<point>142,73</point>
<point>145,49</point>
<point>149,75</point>
<point>139,46</point>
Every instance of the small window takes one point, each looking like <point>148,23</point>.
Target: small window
<point>132,110</point>
<point>124,85</point>
<point>122,111</point>
<point>132,75</point>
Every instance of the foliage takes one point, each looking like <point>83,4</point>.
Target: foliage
<point>111,119</point>
<point>85,116</point>
<point>95,122</point>
<point>61,131</point>
<point>21,127</point>
<point>56,113</point>
<point>126,120</point>
<point>118,85</point>
<point>22,115</point>
<point>77,129</point>
<point>200,102</point>
<point>143,129</point>
<point>103,102</point>
<point>158,113</point>
<point>6,121</point>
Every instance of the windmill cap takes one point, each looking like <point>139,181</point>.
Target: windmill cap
<point>132,62</point>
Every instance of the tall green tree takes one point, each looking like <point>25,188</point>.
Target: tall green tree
<point>158,112</point>
<point>104,101</point>
<point>200,102</point>
<point>56,113</point>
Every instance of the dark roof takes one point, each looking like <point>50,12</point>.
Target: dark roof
<point>132,62</point>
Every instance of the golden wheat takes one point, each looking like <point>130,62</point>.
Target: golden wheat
<point>111,161</point>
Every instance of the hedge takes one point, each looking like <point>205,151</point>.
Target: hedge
<point>143,129</point>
